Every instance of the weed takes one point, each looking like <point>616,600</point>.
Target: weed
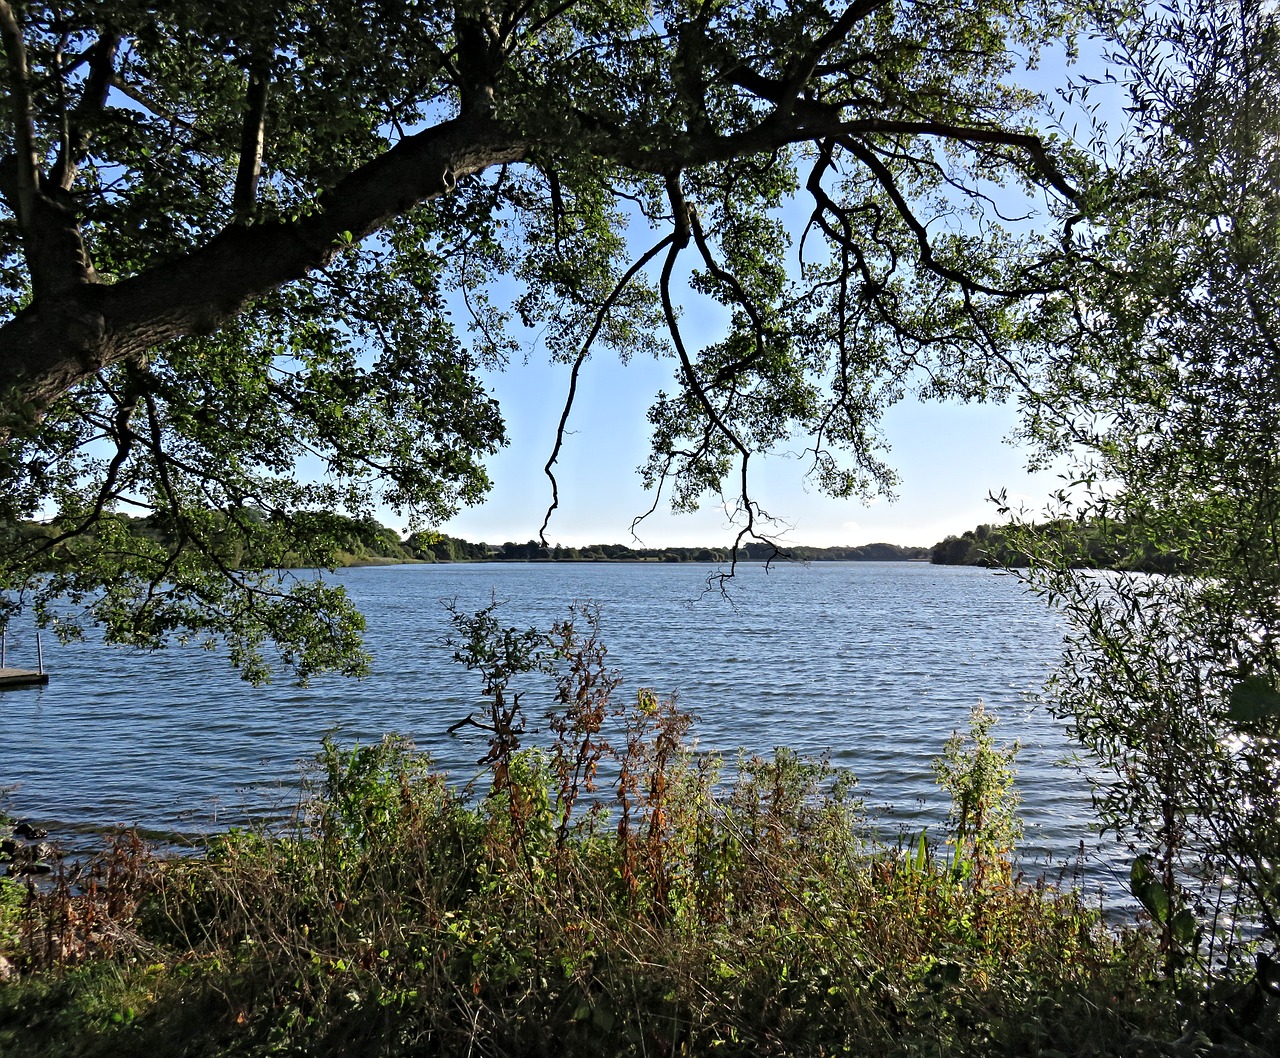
<point>983,817</point>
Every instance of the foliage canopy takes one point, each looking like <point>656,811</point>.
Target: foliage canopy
<point>236,236</point>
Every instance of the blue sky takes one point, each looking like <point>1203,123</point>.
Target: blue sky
<point>949,458</point>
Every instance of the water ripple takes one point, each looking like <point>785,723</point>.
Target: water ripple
<point>873,664</point>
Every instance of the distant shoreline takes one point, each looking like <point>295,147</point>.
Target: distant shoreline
<point>648,561</point>
<point>444,548</point>
<point>325,540</point>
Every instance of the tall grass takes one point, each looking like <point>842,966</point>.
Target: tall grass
<point>612,893</point>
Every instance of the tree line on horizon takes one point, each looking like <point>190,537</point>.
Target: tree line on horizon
<point>446,548</point>
<point>1090,544</point>
<point>365,540</point>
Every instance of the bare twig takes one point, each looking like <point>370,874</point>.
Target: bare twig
<point>577,367</point>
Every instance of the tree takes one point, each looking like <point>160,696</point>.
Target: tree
<point>235,232</point>
<point>1172,681</point>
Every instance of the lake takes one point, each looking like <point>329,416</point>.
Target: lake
<point>873,664</point>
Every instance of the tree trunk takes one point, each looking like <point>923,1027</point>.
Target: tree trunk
<point>72,329</point>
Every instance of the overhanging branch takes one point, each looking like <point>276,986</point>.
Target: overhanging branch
<point>45,350</point>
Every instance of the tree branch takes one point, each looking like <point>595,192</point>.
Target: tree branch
<point>577,367</point>
<point>822,121</point>
<point>82,121</point>
<point>55,252</point>
<point>50,346</point>
<point>714,418</point>
<point>150,105</point>
<point>252,139</point>
<point>24,134</point>
<point>884,177</point>
<point>803,71</point>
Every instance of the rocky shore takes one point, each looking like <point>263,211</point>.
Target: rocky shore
<point>22,850</point>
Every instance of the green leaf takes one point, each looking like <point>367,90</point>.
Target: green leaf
<point>1140,873</point>
<point>1155,898</point>
<point>1151,894</point>
<point>1183,927</point>
<point>922,853</point>
<point>1252,699</point>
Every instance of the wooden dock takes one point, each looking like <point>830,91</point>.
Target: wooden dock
<point>11,678</point>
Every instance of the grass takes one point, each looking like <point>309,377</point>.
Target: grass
<point>683,906</point>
